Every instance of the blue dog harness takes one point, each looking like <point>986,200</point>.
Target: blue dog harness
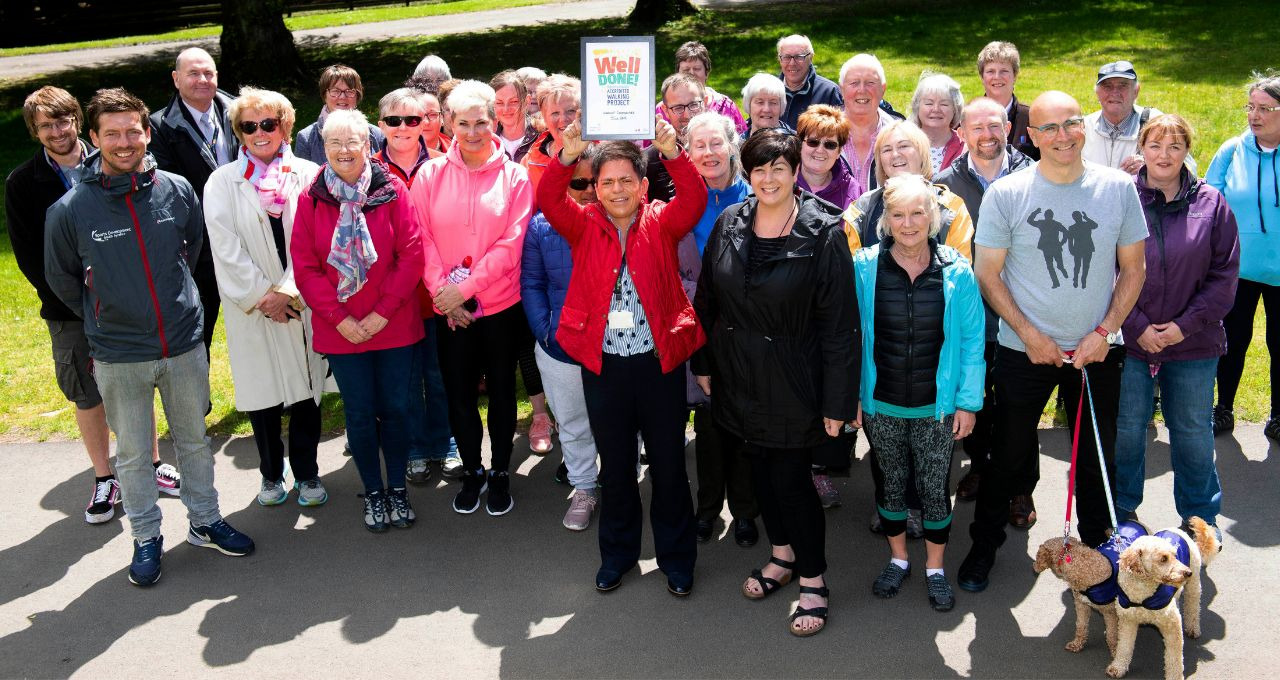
<point>1161,598</point>
<point>1125,534</point>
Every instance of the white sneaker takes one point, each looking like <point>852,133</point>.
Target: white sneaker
<point>311,493</point>
<point>272,492</point>
<point>581,507</point>
<point>168,481</point>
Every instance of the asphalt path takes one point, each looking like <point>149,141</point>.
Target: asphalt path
<point>480,596</point>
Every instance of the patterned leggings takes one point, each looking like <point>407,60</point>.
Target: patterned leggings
<point>926,442</point>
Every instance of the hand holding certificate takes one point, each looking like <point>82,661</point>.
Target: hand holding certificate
<point>618,88</point>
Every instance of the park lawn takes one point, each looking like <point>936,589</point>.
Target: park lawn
<point>1194,59</point>
<point>297,22</point>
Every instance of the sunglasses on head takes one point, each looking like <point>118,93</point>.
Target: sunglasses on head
<point>579,183</point>
<point>395,121</point>
<point>267,124</point>
<point>826,144</point>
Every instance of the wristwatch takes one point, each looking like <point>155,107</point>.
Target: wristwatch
<point>1112,338</point>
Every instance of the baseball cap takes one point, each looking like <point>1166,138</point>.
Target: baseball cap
<point>1117,69</point>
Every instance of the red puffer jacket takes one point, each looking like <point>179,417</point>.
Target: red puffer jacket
<point>651,257</point>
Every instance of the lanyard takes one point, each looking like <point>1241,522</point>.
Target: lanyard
<point>1085,390</point>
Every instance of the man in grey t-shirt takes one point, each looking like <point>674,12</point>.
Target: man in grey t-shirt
<point>1048,245</point>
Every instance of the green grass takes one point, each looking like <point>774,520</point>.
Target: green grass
<point>1193,58</point>
<point>299,21</point>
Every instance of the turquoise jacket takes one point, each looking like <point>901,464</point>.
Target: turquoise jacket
<point>961,368</point>
<point>1247,177</point>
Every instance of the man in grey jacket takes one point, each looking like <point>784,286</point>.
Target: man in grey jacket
<point>119,251</point>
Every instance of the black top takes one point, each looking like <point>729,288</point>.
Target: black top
<point>277,235</point>
<point>28,192</point>
<point>909,332</point>
<point>762,249</point>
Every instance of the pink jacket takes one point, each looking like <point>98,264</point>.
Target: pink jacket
<point>481,214</point>
<point>389,289</point>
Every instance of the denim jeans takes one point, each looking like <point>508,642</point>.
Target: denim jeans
<point>376,395</point>
<point>430,438</point>
<point>1186,400</point>
<point>128,394</point>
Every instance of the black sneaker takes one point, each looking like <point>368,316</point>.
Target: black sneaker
<point>941,598</point>
<point>468,499</point>
<point>1272,429</point>
<point>145,568</point>
<point>1224,421</point>
<point>402,515</point>
<point>889,582</point>
<point>499,501</point>
<point>375,512</point>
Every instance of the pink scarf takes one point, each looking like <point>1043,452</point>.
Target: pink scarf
<point>273,181</point>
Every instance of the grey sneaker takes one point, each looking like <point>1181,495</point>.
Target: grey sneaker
<point>272,492</point>
<point>418,472</point>
<point>827,492</point>
<point>402,514</point>
<point>452,467</point>
<point>941,597</point>
<point>889,582</point>
<point>311,493</point>
<point>581,507</point>
<point>376,518</point>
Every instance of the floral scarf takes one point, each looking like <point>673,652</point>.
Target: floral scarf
<point>273,181</point>
<point>351,252</point>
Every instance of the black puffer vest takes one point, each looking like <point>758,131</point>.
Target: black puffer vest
<point>908,331</point>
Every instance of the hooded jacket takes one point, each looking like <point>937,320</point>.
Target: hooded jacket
<point>961,368</point>
<point>1246,176</point>
<point>389,288</point>
<point>957,226</point>
<point>119,251</point>
<point>839,191</point>
<point>481,214</point>
<point>651,251</point>
<point>1193,261</point>
<point>782,347</point>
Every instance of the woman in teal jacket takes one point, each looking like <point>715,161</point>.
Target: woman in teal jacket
<point>922,340</point>
<point>1244,170</point>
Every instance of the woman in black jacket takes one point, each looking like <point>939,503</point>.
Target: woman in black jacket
<point>776,298</point>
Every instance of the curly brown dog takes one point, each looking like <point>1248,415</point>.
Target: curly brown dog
<point>1153,570</point>
<point>1083,568</point>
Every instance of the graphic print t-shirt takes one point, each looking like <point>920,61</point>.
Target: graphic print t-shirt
<point>1061,241</point>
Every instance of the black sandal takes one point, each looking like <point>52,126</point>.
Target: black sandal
<point>815,612</point>
<point>768,585</point>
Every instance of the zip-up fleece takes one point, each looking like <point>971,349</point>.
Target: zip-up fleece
<point>119,250</point>
<point>481,214</point>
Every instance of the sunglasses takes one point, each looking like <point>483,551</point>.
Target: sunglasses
<point>826,144</point>
<point>579,183</point>
<point>267,124</point>
<point>395,121</point>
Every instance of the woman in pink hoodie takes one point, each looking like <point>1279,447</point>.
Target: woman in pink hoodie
<point>473,204</point>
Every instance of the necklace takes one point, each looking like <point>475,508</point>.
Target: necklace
<point>795,207</point>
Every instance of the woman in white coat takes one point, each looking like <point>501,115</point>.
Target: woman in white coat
<point>249,206</point>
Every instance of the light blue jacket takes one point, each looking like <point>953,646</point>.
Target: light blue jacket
<point>961,368</point>
<point>1247,177</point>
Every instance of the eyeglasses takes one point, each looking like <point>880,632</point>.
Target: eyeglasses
<point>61,125</point>
<point>344,145</point>
<point>343,94</point>
<point>1069,125</point>
<point>580,183</point>
<point>1250,108</point>
<point>795,57</point>
<point>431,116</point>
<point>680,109</point>
<point>395,121</point>
<point>267,124</point>
<point>827,144</point>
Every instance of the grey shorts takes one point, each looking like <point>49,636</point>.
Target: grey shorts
<point>72,364</point>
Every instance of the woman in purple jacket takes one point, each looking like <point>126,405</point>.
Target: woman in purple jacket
<point>823,170</point>
<point>1174,334</point>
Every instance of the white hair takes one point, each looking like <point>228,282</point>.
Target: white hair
<point>528,72</point>
<point>400,97</point>
<point>764,83</point>
<point>795,38</point>
<point>432,67</point>
<point>906,189</point>
<point>864,60</point>
<point>470,94</point>
<point>938,84</point>
<point>345,122</point>
<point>721,123</point>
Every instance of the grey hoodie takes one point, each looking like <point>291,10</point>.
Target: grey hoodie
<point>119,250</point>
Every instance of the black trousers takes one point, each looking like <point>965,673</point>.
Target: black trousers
<point>487,348</point>
<point>788,502</point>
<point>1022,390</point>
<point>632,395</point>
<point>304,438</point>
<point>207,286</point>
<point>1239,327</point>
<point>978,444</point>
<point>721,471</point>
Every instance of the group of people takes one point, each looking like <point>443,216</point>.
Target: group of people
<point>819,265</point>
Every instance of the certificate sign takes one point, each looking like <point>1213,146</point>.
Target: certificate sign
<point>618,87</point>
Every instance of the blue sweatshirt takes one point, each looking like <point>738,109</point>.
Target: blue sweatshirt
<point>717,201</point>
<point>1246,175</point>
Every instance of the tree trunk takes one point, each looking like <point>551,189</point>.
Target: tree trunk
<point>653,13</point>
<point>257,48</point>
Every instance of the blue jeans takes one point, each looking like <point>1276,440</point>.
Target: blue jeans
<point>128,395</point>
<point>1186,399</point>
<point>430,438</point>
<point>376,399</point>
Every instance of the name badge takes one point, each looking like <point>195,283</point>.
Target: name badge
<point>621,320</point>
